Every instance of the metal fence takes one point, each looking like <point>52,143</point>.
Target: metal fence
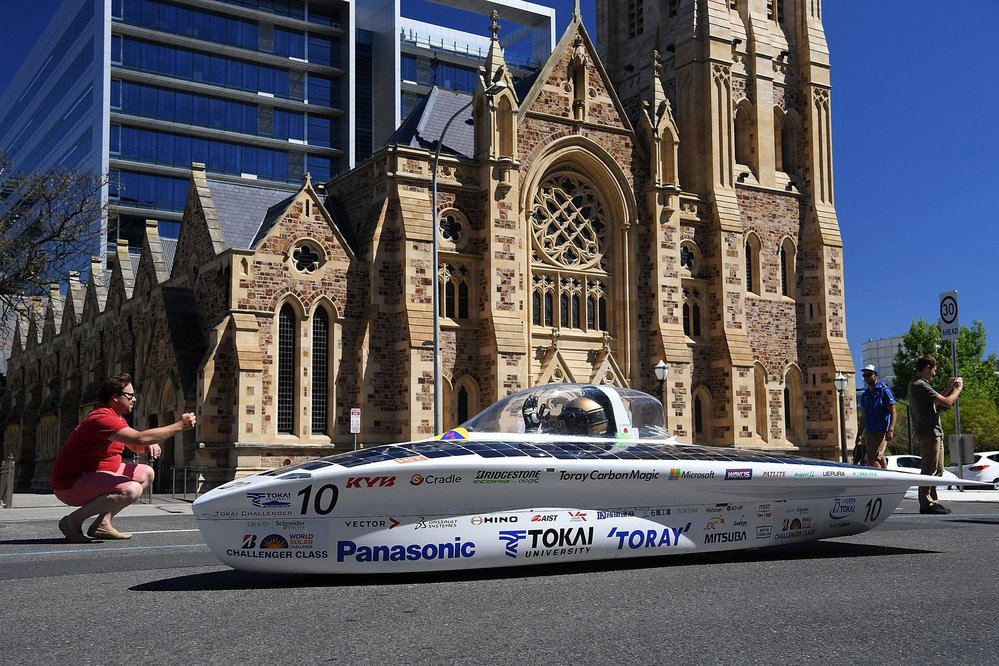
<point>191,482</point>
<point>7,470</point>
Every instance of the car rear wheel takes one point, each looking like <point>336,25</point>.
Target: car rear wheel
<point>995,483</point>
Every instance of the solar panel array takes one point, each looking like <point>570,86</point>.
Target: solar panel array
<point>613,450</point>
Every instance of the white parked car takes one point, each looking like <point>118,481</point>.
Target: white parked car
<point>984,468</point>
<point>914,464</point>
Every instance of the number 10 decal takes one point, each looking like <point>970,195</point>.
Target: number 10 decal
<point>873,509</point>
<point>325,500</point>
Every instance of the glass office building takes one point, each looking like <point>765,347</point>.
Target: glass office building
<point>140,89</point>
<point>265,90</point>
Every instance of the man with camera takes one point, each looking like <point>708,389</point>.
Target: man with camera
<point>924,404</point>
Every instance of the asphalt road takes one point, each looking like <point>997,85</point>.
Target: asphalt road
<point>919,589</point>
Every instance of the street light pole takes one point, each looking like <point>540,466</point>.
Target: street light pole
<point>840,382</point>
<point>491,90</point>
<point>662,370</point>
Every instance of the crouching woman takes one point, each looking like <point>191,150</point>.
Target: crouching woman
<point>89,472</point>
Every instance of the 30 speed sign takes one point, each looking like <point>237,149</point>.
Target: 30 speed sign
<point>948,315</point>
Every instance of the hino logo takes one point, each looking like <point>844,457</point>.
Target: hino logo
<point>478,520</point>
<point>370,481</point>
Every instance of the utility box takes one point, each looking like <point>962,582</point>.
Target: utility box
<point>962,451</point>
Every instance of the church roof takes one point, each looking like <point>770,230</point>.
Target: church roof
<point>246,212</point>
<point>423,127</point>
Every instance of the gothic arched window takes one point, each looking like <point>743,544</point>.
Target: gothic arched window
<point>287,362</point>
<point>571,279</point>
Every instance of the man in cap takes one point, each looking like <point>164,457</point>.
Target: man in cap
<point>877,405</point>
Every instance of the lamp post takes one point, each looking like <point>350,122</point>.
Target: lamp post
<point>491,90</point>
<point>840,382</point>
<point>662,370</point>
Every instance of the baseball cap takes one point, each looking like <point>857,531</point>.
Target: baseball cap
<point>870,368</point>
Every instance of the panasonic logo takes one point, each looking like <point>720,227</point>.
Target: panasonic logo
<point>408,553</point>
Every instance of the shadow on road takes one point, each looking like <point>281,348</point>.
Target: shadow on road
<point>243,580</point>
<point>34,542</point>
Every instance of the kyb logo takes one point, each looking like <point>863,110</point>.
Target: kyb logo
<point>370,481</point>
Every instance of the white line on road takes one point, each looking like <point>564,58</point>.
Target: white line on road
<point>75,551</point>
<point>166,531</point>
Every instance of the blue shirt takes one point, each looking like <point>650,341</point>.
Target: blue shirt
<point>875,402</point>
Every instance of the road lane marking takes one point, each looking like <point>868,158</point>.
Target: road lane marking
<point>166,531</point>
<point>120,548</point>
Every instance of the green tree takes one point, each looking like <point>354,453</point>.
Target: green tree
<point>979,417</point>
<point>979,371</point>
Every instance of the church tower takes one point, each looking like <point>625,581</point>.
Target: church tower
<point>761,257</point>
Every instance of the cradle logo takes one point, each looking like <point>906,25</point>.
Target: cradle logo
<point>842,508</point>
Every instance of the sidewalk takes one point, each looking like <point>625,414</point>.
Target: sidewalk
<point>45,506</point>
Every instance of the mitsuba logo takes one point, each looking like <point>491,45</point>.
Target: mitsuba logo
<point>724,537</point>
<point>370,481</point>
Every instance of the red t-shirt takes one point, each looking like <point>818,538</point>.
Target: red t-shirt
<point>89,449</point>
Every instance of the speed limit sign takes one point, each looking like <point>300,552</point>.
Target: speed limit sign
<point>948,315</point>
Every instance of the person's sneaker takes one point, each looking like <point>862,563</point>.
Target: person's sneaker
<point>937,509</point>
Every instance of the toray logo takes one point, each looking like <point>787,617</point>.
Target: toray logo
<point>666,537</point>
<point>269,500</point>
<point>370,481</point>
<point>842,508</point>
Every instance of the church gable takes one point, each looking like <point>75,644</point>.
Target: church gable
<point>574,85</point>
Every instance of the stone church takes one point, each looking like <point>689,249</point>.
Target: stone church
<point>667,196</point>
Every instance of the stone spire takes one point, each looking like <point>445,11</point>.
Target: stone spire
<point>495,66</point>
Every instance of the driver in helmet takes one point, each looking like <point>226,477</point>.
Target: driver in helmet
<point>584,416</point>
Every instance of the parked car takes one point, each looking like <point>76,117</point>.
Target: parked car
<point>914,464</point>
<point>984,468</point>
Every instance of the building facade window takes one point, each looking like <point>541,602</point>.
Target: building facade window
<point>753,277</point>
<point>454,299</point>
<point>320,372</point>
<point>287,362</point>
<point>571,280</point>
<point>692,313</point>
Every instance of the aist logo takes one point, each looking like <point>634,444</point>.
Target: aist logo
<point>270,500</point>
<point>544,518</point>
<point>842,508</point>
<point>667,537</point>
<point>370,481</point>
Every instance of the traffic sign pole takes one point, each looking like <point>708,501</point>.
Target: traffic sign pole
<point>950,328</point>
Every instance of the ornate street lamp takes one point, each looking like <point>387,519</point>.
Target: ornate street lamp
<point>491,90</point>
<point>662,370</point>
<point>840,382</point>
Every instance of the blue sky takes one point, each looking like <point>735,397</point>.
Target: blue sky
<point>913,85</point>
